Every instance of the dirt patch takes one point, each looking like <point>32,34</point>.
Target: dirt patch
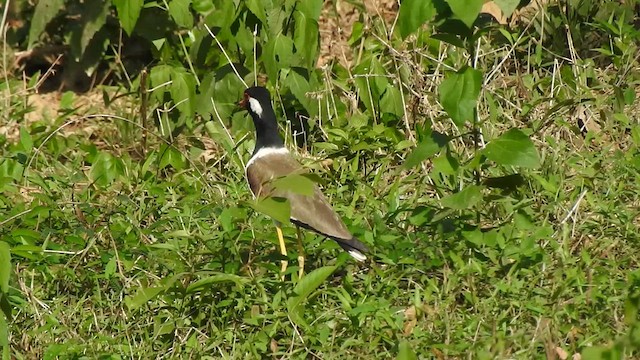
<point>336,24</point>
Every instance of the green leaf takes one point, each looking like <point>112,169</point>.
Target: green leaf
<point>459,94</point>
<point>295,183</point>
<point>4,336</point>
<point>183,91</point>
<point>303,289</point>
<point>143,295</point>
<point>306,39</point>
<point>258,9</point>
<point>466,10</point>
<point>601,353</point>
<point>464,199</point>
<point>105,169</point>
<point>430,146</point>
<point>160,77</point>
<point>128,13</point>
<point>208,281</point>
<point>46,10</point>
<point>5,266</point>
<point>391,101</point>
<point>203,6</point>
<point>513,148</point>
<point>277,55</point>
<point>507,6</point>
<point>405,352</point>
<point>181,14</point>
<point>277,208</point>
<point>172,156</point>
<point>310,8</point>
<point>26,143</point>
<point>5,306</point>
<point>67,99</point>
<point>414,13</point>
<point>297,82</point>
<point>93,17</point>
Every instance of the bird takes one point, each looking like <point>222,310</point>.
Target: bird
<point>271,160</point>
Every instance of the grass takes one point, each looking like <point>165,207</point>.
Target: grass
<point>121,250</point>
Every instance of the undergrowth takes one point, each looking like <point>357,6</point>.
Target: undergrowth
<point>492,169</point>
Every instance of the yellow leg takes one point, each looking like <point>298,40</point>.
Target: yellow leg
<point>300,254</point>
<point>283,251</point>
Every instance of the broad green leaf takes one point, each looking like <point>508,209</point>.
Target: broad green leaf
<point>428,147</point>
<point>306,39</point>
<point>203,6</point>
<point>93,18</point>
<point>5,306</point>
<point>160,80</point>
<point>601,353</point>
<point>258,9</point>
<point>513,148</point>
<point>414,13</point>
<point>297,82</point>
<point>180,13</point>
<point>25,139</point>
<point>449,39</point>
<point>466,10</point>
<point>405,352</point>
<point>171,156</point>
<point>507,6</point>
<point>5,266</point>
<point>27,251</point>
<point>4,335</point>
<point>278,209</point>
<point>142,296</point>
<point>295,183</point>
<point>67,100</point>
<point>277,55</point>
<point>208,281</point>
<point>391,101</point>
<point>128,13</point>
<point>105,169</point>
<point>277,16</point>
<point>46,10</point>
<point>304,288</point>
<point>463,199</point>
<point>310,8</point>
<point>459,94</point>
<point>183,91</point>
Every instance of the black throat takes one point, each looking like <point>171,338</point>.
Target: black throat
<point>267,134</point>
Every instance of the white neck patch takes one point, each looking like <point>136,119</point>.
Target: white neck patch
<point>255,106</point>
<point>266,152</point>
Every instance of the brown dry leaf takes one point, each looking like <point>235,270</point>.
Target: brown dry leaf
<point>437,353</point>
<point>273,346</point>
<point>327,162</point>
<point>562,354</point>
<point>584,122</point>
<point>494,10</point>
<point>576,356</point>
<point>410,320</point>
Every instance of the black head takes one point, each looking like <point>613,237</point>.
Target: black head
<point>257,101</point>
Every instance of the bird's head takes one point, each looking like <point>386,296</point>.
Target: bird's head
<point>256,100</point>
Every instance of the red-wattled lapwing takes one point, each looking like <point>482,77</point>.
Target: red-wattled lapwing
<point>272,160</point>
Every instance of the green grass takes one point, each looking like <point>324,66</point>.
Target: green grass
<point>124,248</point>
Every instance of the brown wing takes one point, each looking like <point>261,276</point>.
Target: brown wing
<point>312,212</point>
